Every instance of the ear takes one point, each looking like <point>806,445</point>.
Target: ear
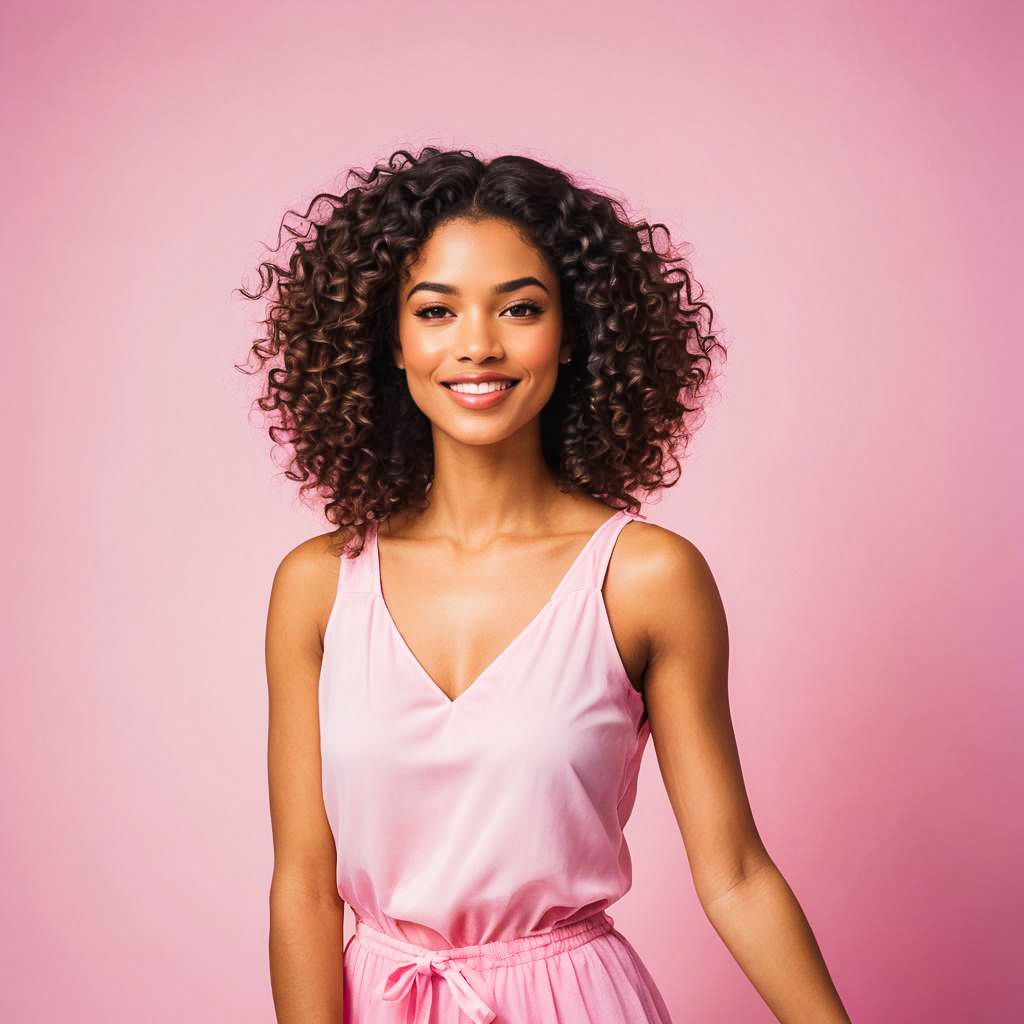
<point>565,350</point>
<point>396,352</point>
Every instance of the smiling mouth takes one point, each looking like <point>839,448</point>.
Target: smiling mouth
<point>465,388</point>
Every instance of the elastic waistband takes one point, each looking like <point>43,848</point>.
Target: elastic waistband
<point>499,953</point>
<point>463,968</point>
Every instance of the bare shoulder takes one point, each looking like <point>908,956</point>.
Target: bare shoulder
<point>663,561</point>
<point>668,591</point>
<point>306,582</point>
<point>312,556</point>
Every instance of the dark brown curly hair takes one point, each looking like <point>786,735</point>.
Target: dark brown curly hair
<point>623,409</point>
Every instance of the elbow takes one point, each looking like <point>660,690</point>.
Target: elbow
<point>716,884</point>
<point>291,891</point>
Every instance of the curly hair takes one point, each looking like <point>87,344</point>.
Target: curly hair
<point>624,408</point>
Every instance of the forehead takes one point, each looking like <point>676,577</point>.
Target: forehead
<point>477,250</point>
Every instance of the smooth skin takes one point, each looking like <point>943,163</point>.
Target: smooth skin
<point>497,538</point>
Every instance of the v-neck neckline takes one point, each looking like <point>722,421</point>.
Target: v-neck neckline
<point>417,665</point>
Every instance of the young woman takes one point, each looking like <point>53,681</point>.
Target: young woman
<point>482,363</point>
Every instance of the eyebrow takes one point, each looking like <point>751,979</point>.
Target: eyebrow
<point>499,289</point>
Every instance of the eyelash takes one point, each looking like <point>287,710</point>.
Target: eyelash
<point>532,306</point>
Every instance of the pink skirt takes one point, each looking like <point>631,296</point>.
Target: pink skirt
<point>579,973</point>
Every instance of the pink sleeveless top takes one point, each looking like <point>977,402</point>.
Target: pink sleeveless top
<point>497,814</point>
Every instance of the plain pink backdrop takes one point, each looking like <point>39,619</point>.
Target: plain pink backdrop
<point>847,176</point>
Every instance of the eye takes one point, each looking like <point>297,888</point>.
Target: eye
<point>531,306</point>
<point>426,309</point>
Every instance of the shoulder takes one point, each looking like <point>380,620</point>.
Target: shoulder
<point>306,581</point>
<point>308,561</point>
<point>658,559</point>
<point>671,587</point>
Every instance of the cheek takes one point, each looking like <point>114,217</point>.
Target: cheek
<point>538,353</point>
<point>422,350</point>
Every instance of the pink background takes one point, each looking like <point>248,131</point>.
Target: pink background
<point>848,176</point>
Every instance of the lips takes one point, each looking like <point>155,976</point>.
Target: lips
<point>478,378</point>
<point>502,385</point>
<point>483,398</point>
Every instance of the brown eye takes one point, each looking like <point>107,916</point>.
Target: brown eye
<point>422,313</point>
<point>532,307</point>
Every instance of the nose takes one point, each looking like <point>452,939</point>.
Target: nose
<point>477,339</point>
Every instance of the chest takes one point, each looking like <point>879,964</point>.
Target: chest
<point>457,616</point>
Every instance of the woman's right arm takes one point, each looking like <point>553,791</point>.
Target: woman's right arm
<point>306,912</point>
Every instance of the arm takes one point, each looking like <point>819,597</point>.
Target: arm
<point>743,894</point>
<point>306,912</point>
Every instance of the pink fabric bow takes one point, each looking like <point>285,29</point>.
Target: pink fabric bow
<point>417,974</point>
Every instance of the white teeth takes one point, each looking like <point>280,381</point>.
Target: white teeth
<point>482,389</point>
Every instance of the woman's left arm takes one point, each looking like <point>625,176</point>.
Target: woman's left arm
<point>743,893</point>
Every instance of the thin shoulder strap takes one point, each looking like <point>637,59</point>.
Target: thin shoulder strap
<point>604,551</point>
<point>356,575</point>
<point>589,571</point>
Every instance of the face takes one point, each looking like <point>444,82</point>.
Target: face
<point>480,302</point>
